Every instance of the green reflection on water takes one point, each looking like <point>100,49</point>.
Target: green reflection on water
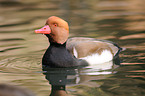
<point>120,21</point>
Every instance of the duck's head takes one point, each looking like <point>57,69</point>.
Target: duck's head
<point>56,29</point>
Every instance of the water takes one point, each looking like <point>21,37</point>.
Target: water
<point>21,49</point>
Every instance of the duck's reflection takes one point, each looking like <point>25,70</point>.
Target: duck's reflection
<point>60,77</point>
<point>58,90</point>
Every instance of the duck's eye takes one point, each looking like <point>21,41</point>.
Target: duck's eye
<point>55,25</point>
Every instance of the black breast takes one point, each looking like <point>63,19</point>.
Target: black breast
<point>58,56</point>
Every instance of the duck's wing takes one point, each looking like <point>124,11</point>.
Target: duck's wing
<point>82,47</point>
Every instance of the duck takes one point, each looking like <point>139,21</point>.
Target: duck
<point>76,51</point>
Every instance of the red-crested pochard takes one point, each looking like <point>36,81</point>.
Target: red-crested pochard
<point>77,51</point>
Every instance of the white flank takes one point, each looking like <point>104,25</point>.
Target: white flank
<point>105,56</point>
<point>75,52</point>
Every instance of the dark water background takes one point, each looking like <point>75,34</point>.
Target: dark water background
<point>121,21</point>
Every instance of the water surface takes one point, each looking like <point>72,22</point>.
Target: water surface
<point>21,49</point>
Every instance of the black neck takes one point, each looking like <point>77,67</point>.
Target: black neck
<point>57,44</point>
<point>52,43</point>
